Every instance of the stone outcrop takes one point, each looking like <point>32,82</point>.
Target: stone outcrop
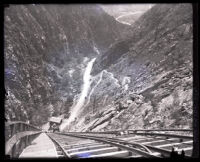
<point>47,48</point>
<point>158,60</point>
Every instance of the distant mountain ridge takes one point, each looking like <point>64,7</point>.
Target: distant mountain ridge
<point>126,13</point>
<point>141,76</point>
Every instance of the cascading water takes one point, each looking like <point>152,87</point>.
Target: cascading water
<point>125,82</point>
<point>94,88</point>
<point>86,86</point>
<point>116,82</point>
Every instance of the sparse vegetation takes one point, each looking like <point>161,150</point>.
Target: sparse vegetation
<point>48,70</point>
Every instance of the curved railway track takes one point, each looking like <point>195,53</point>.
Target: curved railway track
<point>88,145</point>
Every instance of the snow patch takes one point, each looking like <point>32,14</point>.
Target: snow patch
<point>123,22</point>
<point>127,14</point>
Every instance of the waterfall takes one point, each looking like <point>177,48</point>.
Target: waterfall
<point>125,82</point>
<point>100,78</point>
<point>86,86</point>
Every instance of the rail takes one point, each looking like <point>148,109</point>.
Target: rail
<point>137,130</point>
<point>135,147</point>
<point>153,133</point>
<point>164,135</point>
<point>18,135</point>
<point>150,132</point>
<point>60,147</point>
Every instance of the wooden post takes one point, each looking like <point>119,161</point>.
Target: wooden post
<point>13,151</point>
<point>21,127</point>
<point>12,127</point>
<point>27,140</point>
<point>20,147</point>
<point>23,144</point>
<point>17,148</point>
<point>31,137</point>
<point>7,133</point>
<point>17,128</point>
<point>25,127</point>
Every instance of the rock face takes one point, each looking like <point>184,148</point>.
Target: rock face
<point>141,78</point>
<point>148,78</point>
<point>47,48</point>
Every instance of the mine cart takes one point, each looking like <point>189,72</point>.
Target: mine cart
<point>54,123</point>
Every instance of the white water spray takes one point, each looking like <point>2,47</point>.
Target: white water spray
<point>94,88</point>
<point>96,50</point>
<point>125,82</point>
<point>86,85</point>
<point>116,81</point>
<point>100,79</point>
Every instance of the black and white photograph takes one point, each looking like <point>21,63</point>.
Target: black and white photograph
<point>99,80</point>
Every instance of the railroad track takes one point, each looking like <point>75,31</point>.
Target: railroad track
<point>85,145</point>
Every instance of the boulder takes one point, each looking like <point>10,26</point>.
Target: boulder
<point>186,72</point>
<point>175,62</point>
<point>121,106</point>
<point>129,102</point>
<point>87,120</point>
<point>170,83</point>
<point>139,101</point>
<point>133,96</point>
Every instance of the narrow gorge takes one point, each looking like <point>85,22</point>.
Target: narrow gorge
<point>99,68</point>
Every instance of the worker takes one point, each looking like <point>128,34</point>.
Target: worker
<point>174,153</point>
<point>54,127</point>
<point>182,154</point>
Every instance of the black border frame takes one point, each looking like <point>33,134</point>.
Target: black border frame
<point>5,3</point>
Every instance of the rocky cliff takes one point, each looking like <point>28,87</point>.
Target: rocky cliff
<point>65,57</point>
<point>47,48</point>
<point>145,81</point>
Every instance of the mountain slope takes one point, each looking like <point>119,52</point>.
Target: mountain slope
<point>126,13</point>
<point>47,48</point>
<point>145,81</point>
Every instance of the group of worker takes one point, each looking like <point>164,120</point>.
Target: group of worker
<point>176,154</point>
